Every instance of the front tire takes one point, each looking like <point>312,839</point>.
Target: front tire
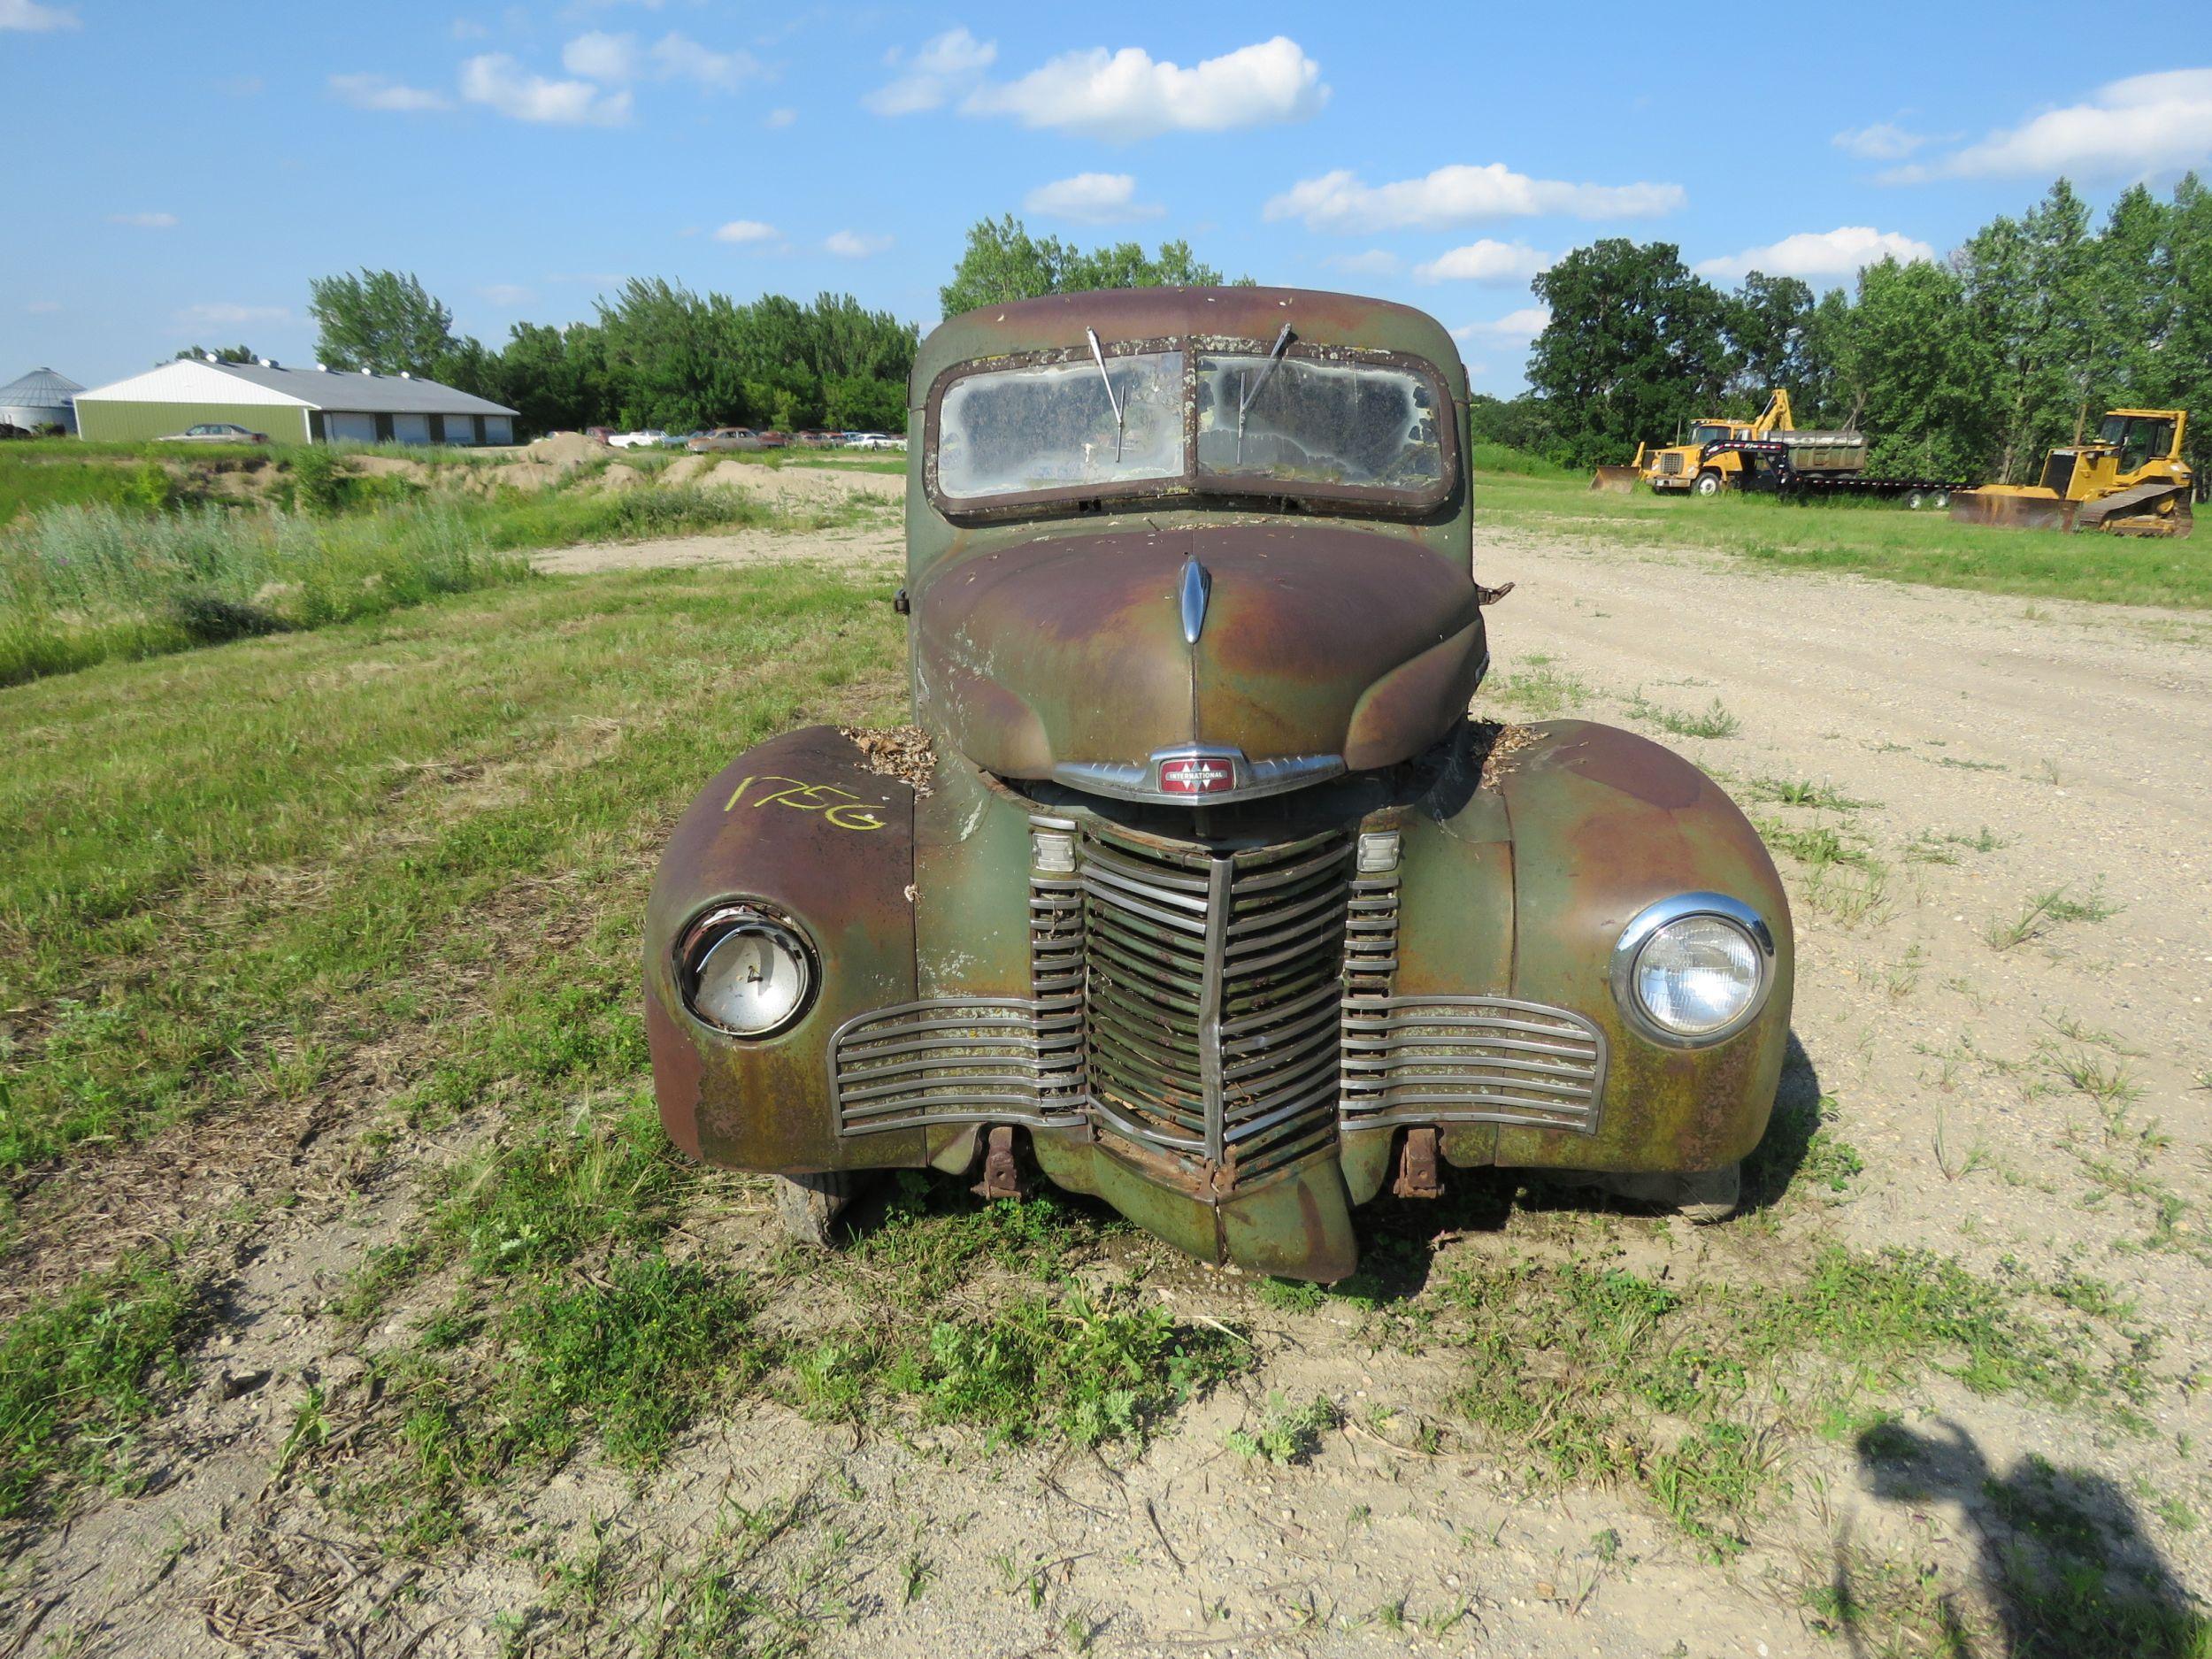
<point>1709,1197</point>
<point>808,1206</point>
<point>1709,484</point>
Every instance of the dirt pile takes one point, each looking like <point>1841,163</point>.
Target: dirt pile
<point>566,450</point>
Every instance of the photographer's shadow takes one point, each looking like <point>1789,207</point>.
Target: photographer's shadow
<point>2066,1568</point>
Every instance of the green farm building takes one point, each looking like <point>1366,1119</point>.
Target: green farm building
<point>313,405</point>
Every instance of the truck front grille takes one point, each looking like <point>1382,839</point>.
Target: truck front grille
<point>1211,994</point>
<point>1228,1009</point>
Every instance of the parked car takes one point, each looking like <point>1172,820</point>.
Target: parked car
<point>724,438</point>
<point>775,440</point>
<point>1197,888</point>
<point>875,440</point>
<point>215,432</point>
<point>650,438</point>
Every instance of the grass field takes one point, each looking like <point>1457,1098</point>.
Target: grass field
<point>1871,539</point>
<point>239,886</point>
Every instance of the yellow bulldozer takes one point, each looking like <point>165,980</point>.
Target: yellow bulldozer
<point>2130,481</point>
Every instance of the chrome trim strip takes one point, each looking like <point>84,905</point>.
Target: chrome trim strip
<point>1394,1075</point>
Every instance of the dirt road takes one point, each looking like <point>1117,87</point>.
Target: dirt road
<point>2005,939</point>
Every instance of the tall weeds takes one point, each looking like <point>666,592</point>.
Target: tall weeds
<point>81,585</point>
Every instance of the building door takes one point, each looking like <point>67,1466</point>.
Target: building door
<point>343,428</point>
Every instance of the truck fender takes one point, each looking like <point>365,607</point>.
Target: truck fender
<point>1605,822</point>
<point>802,828</point>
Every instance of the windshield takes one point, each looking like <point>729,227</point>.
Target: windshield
<point>1707,432</point>
<point>2140,438</point>
<point>1052,428</point>
<point>1297,420</point>
<point>1209,415</point>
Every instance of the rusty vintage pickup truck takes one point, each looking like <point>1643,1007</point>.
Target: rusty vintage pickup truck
<point>1211,898</point>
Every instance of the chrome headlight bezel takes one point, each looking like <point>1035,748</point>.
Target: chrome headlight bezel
<point>1683,907</point>
<point>720,923</point>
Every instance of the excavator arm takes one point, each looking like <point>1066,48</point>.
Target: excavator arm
<point>1776,417</point>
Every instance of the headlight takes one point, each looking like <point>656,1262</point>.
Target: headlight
<point>1691,970</point>
<point>744,971</point>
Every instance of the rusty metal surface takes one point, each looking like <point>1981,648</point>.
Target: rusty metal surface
<point>1319,640</point>
<point>1059,321</point>
<point>1418,1176</point>
<point>821,839</point>
<point>1604,822</point>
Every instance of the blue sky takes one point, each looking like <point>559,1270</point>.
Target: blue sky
<point>201,162</point>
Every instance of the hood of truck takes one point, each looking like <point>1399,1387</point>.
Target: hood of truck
<point>1072,656</point>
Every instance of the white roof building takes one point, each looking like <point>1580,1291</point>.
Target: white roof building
<point>314,405</point>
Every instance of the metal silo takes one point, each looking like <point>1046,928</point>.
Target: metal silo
<point>40,398</point>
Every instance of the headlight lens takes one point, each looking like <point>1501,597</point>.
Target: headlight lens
<point>1693,970</point>
<point>745,972</point>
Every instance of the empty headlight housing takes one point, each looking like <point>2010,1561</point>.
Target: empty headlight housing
<point>744,971</point>
<point>1694,969</point>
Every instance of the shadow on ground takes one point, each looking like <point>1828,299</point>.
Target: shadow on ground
<point>2065,1568</point>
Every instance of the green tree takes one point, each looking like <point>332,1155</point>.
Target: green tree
<point>1003,262</point>
<point>221,354</point>
<point>381,320</point>
<point>1769,320</point>
<point>2177,372</point>
<point>1922,373</point>
<point>1636,346</point>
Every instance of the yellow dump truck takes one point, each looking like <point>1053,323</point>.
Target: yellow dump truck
<point>2130,481</point>
<point>1770,455</point>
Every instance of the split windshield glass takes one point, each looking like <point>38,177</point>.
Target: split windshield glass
<point>1053,427</point>
<point>1303,420</point>
<point>1287,420</point>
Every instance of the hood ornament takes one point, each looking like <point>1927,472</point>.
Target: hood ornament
<point>1198,583</point>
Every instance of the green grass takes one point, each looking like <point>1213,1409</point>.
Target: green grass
<point>224,860</point>
<point>1584,1373</point>
<point>80,1373</point>
<point>1870,539</point>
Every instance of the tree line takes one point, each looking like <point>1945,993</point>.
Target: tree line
<point>1971,368</point>
<point>659,354</point>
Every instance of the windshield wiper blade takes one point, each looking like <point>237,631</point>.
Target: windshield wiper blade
<point>1245,397</point>
<point>1098,356</point>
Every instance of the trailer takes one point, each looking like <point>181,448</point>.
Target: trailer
<point>1821,469</point>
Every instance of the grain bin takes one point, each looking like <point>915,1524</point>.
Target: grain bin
<point>40,398</point>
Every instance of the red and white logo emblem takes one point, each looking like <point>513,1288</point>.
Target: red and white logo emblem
<point>1197,775</point>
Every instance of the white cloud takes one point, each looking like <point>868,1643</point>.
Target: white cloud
<point>747,231</point>
<point>2146,124</point>
<point>947,65</point>
<point>1127,94</point>
<point>1524,324</point>
<point>1461,194</point>
<point>42,308</point>
<point>1485,261</point>
<point>1825,253</point>
<point>620,58</point>
<point>851,244</point>
<point>1374,262</point>
<point>145,221</point>
<point>1884,141</point>
<point>1091,198</point>
<point>779,117</point>
<point>34,18</point>
<point>375,92</point>
<point>467,29</point>
<point>496,81</point>
<point>221,314</point>
<point>507,294</point>
<point>600,56</point>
